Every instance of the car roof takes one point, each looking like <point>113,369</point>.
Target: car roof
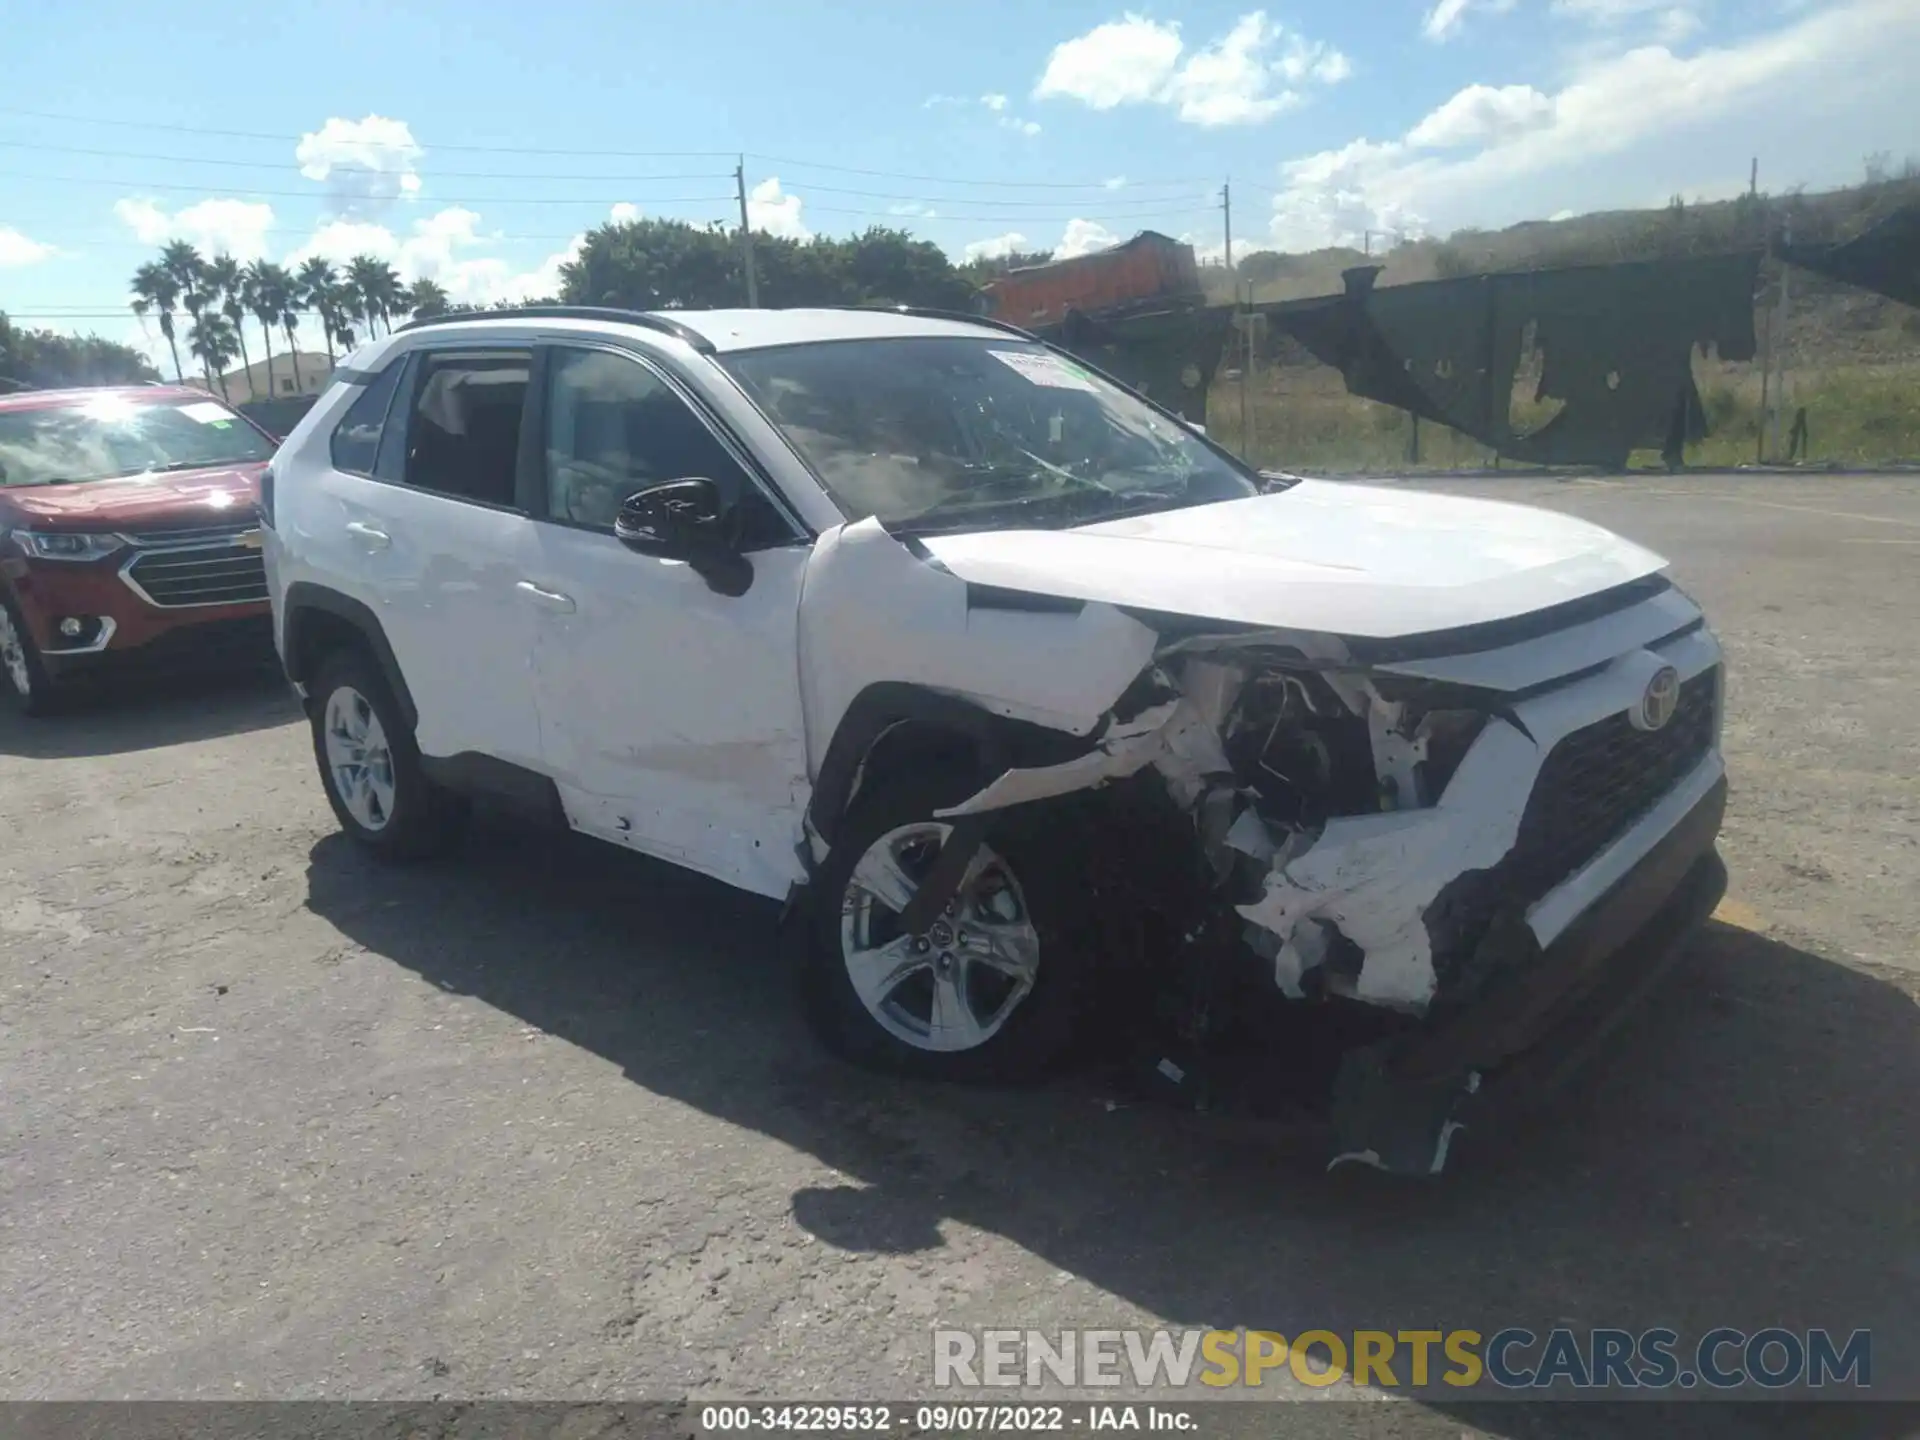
<point>80,395</point>
<point>731,330</point>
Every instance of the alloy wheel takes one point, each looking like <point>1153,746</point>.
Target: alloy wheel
<point>954,986</point>
<point>359,758</point>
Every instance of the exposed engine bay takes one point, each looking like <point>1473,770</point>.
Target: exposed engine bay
<point>1349,835</point>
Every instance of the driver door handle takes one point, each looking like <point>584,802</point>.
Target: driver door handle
<point>370,536</point>
<point>546,599</point>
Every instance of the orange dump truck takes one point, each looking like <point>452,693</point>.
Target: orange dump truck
<point>1150,268</point>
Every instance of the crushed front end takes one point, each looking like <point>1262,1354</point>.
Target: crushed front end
<point>1494,836</point>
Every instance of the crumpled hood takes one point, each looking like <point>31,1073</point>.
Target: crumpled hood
<point>1323,556</point>
<point>186,498</point>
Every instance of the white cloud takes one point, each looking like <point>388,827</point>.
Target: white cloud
<point>1122,62</point>
<point>994,101</point>
<point>1480,114</point>
<point>777,213</point>
<point>1512,144</point>
<point>1028,128</point>
<point>625,213</point>
<point>1115,182</point>
<point>1445,19</point>
<point>1246,76</point>
<point>1084,237</point>
<point>18,249</point>
<point>367,163</point>
<point>914,208</point>
<point>997,247</point>
<point>219,226</point>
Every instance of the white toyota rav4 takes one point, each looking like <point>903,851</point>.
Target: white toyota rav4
<point>1027,696</point>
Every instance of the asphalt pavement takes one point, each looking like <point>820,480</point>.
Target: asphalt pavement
<point>542,1122</point>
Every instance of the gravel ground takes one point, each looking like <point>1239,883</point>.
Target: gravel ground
<point>542,1121</point>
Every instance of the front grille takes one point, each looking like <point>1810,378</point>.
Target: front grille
<point>1592,787</point>
<point>208,566</point>
<point>1599,780</point>
<point>221,534</point>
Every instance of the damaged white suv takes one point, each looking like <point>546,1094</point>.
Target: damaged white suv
<point>1028,695</point>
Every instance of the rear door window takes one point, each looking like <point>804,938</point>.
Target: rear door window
<point>355,445</point>
<point>463,424</point>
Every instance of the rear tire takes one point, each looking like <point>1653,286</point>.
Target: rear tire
<point>24,682</point>
<point>911,1012</point>
<point>370,766</point>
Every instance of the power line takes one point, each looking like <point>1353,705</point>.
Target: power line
<point>285,138</point>
<point>282,166</point>
<point>264,135</point>
<point>225,192</point>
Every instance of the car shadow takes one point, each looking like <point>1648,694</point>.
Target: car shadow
<point>123,714</point>
<point>1742,1155</point>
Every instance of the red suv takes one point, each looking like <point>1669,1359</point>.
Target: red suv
<point>127,530</point>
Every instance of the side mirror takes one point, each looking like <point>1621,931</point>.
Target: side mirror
<point>687,520</point>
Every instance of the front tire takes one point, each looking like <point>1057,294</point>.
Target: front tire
<point>992,991</point>
<point>370,766</point>
<point>24,681</point>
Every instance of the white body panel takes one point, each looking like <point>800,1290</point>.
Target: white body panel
<point>443,584</point>
<point>1322,556</point>
<point>669,715</point>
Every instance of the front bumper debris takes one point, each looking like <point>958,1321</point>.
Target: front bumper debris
<point>1397,1103</point>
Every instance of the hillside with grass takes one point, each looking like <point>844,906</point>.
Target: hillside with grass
<point>1852,358</point>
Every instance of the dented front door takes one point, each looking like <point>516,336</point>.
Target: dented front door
<point>669,714</point>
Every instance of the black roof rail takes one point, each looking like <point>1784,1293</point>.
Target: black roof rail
<point>647,319</point>
<point>929,312</point>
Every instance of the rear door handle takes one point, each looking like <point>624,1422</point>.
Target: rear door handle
<point>546,599</point>
<point>371,536</point>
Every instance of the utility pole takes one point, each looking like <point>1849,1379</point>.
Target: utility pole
<point>1780,344</point>
<point>1226,209</point>
<point>746,235</point>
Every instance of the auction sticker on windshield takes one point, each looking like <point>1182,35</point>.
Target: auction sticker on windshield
<point>1044,369</point>
<point>207,413</point>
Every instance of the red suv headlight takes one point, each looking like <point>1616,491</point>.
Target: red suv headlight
<point>66,545</point>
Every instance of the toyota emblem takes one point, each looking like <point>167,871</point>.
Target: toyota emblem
<point>1661,699</point>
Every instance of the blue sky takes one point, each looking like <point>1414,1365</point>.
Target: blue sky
<point>474,142</point>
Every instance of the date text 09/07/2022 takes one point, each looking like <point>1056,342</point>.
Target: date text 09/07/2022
<point>944,1418</point>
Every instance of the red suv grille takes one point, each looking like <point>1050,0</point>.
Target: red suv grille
<point>212,565</point>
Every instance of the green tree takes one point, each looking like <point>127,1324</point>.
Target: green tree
<point>35,359</point>
<point>423,298</point>
<point>180,260</point>
<point>320,290</point>
<point>671,265</point>
<point>229,293</point>
<point>156,290</point>
<point>269,290</point>
<point>215,342</point>
<point>377,287</point>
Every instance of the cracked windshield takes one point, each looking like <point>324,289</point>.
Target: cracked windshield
<point>956,434</point>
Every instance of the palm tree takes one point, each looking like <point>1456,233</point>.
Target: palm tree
<point>230,294</point>
<point>180,260</point>
<point>289,318</point>
<point>269,295</point>
<point>318,285</point>
<point>380,290</point>
<point>214,340</point>
<point>354,290</point>
<point>154,288</point>
<point>424,297</point>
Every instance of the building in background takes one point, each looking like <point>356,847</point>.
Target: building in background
<point>249,384</point>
